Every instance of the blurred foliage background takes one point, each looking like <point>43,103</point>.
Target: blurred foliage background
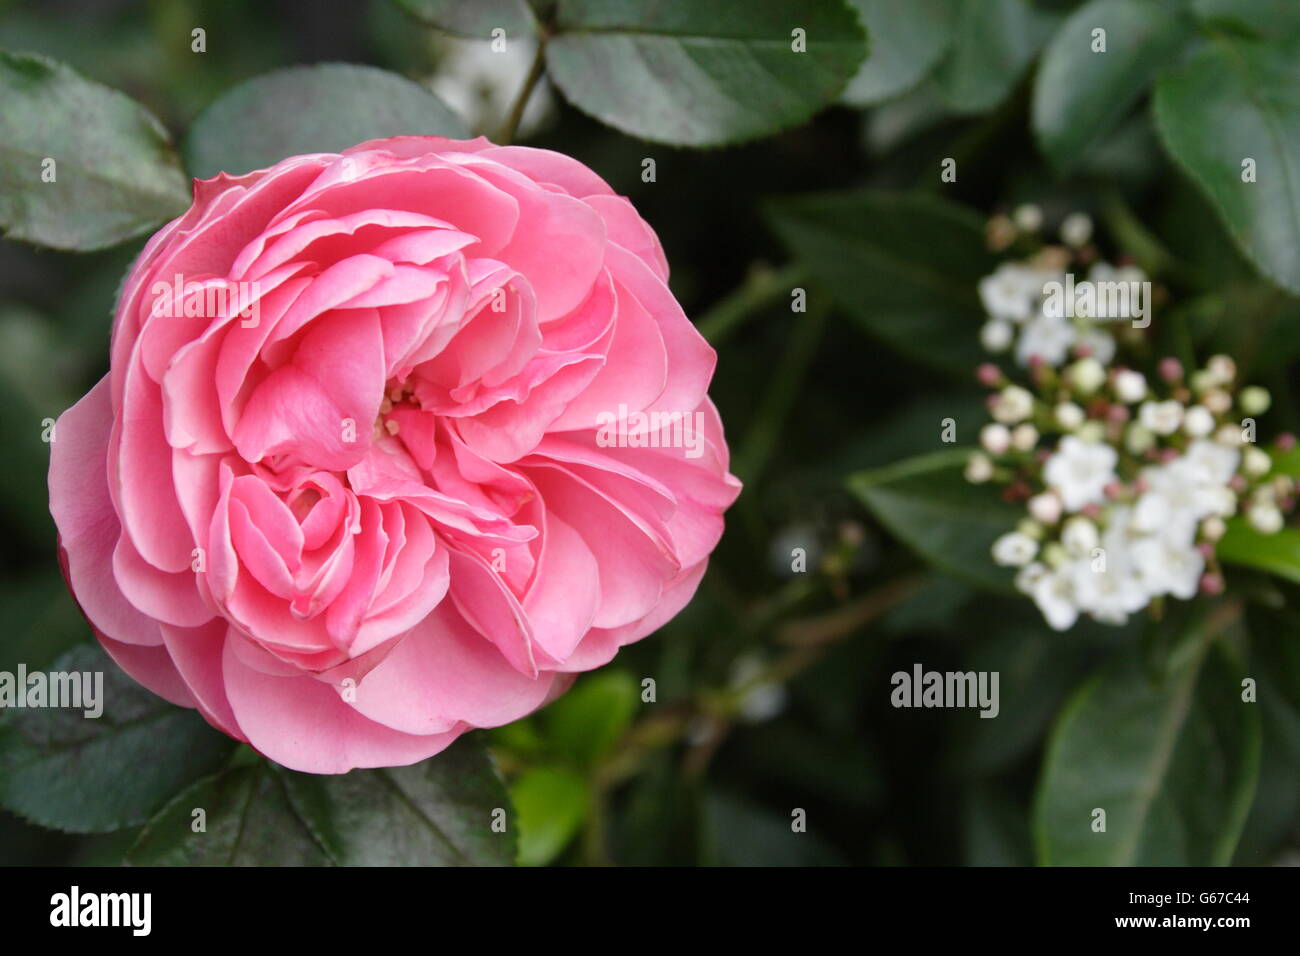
<point>772,687</point>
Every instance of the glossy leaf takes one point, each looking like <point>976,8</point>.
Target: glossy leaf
<point>701,74</point>
<point>907,42</point>
<point>1275,553</point>
<point>1081,94</point>
<point>1173,765</point>
<point>551,803</point>
<point>113,168</point>
<point>906,266</point>
<point>476,20</point>
<point>948,521</point>
<point>994,42</point>
<point>1238,100</point>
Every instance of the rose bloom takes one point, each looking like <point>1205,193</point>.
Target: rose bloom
<point>373,498</point>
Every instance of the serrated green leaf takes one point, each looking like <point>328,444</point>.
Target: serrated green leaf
<point>907,41</point>
<point>1239,100</point>
<point>906,266</point>
<point>703,74</point>
<point>476,20</point>
<point>115,173</point>
<point>1173,765</point>
<point>324,108</point>
<point>1080,95</point>
<point>68,772</point>
<point>436,813</point>
<point>934,510</point>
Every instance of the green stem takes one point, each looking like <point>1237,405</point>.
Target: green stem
<point>761,287</point>
<point>508,128</point>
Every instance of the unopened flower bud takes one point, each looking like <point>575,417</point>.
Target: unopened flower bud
<point>1171,370</point>
<point>1068,415</point>
<point>1254,400</point>
<point>995,438</point>
<point>1256,462</point>
<point>979,469</point>
<point>1087,375</point>
<point>1024,437</point>
<point>1045,507</point>
<point>1198,422</point>
<point>1130,386</point>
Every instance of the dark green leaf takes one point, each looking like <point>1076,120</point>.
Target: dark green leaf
<point>701,74</point>
<point>65,771</point>
<point>930,506</point>
<point>1173,765</point>
<point>1264,18</point>
<point>907,40</point>
<point>906,266</point>
<point>994,42</point>
<point>115,174</point>
<point>311,109</point>
<point>1081,95</point>
<point>740,833</point>
<point>551,803</point>
<point>1236,100</point>
<point>476,20</point>
<point>436,813</point>
<point>1276,553</point>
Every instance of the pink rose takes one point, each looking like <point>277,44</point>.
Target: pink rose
<point>394,442</point>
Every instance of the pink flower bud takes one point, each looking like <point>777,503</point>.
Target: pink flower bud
<point>1171,370</point>
<point>1285,441</point>
<point>988,375</point>
<point>1211,583</point>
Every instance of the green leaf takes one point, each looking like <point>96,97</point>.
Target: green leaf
<point>1235,100</point>
<point>436,813</point>
<point>1080,95</point>
<point>588,720</point>
<point>311,109</point>
<point>115,173</point>
<point>907,41</point>
<point>1275,553</point>
<point>934,510</point>
<point>994,42</point>
<point>1264,18</point>
<point>551,803</point>
<point>737,832</point>
<point>1174,765</point>
<point>906,266</point>
<point>702,74</point>
<point>476,20</point>
<point>65,771</point>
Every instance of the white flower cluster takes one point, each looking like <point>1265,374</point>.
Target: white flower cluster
<point>1128,484</point>
<point>1024,299</point>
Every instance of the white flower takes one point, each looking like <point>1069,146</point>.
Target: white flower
<point>1163,418</point>
<point>1014,549</point>
<point>1014,404</point>
<point>979,469</point>
<point>1213,528</point>
<point>1168,566</point>
<point>1079,471</point>
<point>1229,435</point>
<point>1130,386</point>
<point>1069,415</point>
<point>1087,375</point>
<point>1079,536</point>
<point>1012,292</point>
<point>1076,229</point>
<point>1266,519</point>
<point>1053,593</point>
<point>1256,462</point>
<point>996,335</point>
<point>1045,507</point>
<point>1108,590</point>
<point>1213,462</point>
<point>1046,336</point>
<point>995,438</point>
<point>1198,422</point>
<point>1024,437</point>
<point>1028,576</point>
